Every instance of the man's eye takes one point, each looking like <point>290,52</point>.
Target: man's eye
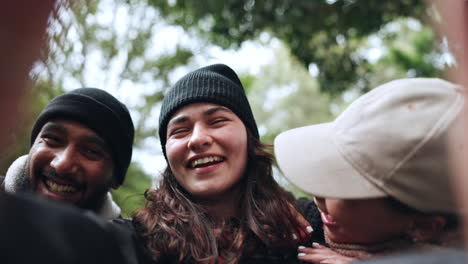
<point>93,154</point>
<point>51,140</point>
<point>93,151</point>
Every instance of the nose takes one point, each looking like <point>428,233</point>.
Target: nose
<point>64,162</point>
<point>200,139</point>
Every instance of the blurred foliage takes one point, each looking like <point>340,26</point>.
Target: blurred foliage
<point>89,45</point>
<point>298,193</point>
<point>130,196</point>
<point>410,50</point>
<point>326,33</point>
<point>284,95</point>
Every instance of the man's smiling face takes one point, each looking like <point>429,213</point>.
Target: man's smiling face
<point>69,162</point>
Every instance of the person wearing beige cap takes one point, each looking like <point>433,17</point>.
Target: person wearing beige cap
<point>380,171</point>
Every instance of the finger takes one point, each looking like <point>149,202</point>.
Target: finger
<point>304,232</point>
<point>315,248</point>
<point>311,258</point>
<point>320,258</point>
<point>339,260</point>
<point>317,245</point>
<point>306,250</point>
<point>322,254</point>
<point>303,223</point>
<point>319,253</point>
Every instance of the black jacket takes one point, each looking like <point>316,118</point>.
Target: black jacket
<point>35,230</point>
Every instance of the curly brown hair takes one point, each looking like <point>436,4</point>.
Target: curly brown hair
<point>177,230</point>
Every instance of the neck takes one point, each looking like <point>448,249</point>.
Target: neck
<point>363,251</point>
<point>222,208</point>
<point>95,204</point>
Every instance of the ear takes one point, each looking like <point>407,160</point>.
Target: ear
<point>115,185</point>
<point>426,227</point>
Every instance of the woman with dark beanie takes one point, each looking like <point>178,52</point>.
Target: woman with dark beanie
<point>217,201</point>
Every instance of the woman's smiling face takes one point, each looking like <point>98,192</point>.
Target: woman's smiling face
<point>207,149</point>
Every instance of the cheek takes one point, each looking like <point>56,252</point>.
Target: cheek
<point>335,207</point>
<point>344,213</point>
<point>38,158</point>
<point>239,153</point>
<point>99,173</point>
<point>236,140</point>
<point>175,151</point>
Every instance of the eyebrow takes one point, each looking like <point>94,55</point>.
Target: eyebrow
<point>216,109</point>
<point>96,140</point>
<point>208,112</point>
<point>59,128</point>
<point>54,127</point>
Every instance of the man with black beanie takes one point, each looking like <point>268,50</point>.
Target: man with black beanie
<point>81,146</point>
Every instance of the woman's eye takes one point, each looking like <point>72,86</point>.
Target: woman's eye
<point>218,121</point>
<point>177,131</point>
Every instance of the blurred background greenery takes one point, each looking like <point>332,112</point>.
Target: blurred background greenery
<point>324,54</point>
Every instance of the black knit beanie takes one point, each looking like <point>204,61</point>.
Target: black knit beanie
<point>101,112</point>
<point>216,84</point>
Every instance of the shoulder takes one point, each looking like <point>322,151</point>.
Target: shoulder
<point>122,226</point>
<point>131,242</point>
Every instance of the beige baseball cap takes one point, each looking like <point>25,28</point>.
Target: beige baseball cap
<point>392,141</point>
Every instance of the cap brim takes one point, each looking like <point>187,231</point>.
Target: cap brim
<point>310,160</point>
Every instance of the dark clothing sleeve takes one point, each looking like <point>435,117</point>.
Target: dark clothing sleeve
<point>35,230</point>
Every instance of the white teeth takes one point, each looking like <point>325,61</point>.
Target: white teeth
<point>60,188</point>
<point>205,160</point>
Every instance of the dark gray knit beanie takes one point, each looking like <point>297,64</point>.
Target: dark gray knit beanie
<point>216,84</point>
<point>100,111</point>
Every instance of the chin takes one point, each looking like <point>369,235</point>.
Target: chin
<point>93,203</point>
<point>206,194</point>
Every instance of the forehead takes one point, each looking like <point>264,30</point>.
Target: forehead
<point>199,108</point>
<point>66,126</point>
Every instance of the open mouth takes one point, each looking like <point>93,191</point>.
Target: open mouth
<point>205,161</point>
<point>64,189</point>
